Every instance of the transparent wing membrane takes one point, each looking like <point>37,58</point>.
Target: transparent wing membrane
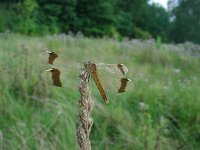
<point>60,71</point>
<point>52,59</point>
<point>115,69</point>
<point>115,81</point>
<point>60,78</point>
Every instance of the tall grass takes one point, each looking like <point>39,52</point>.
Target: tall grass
<point>161,112</point>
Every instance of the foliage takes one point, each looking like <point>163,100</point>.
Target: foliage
<point>154,19</point>
<point>161,112</point>
<point>186,24</point>
<point>96,17</point>
<point>141,34</point>
<point>113,18</point>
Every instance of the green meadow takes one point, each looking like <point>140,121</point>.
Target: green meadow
<point>160,112</point>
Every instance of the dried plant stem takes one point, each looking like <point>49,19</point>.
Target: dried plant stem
<point>85,107</point>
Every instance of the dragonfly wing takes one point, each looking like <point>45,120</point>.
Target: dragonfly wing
<point>60,78</point>
<point>115,69</point>
<point>59,71</point>
<point>114,82</point>
<point>50,58</point>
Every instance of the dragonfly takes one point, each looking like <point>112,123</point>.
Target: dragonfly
<point>105,76</point>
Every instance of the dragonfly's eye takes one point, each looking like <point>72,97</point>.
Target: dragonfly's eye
<point>86,64</point>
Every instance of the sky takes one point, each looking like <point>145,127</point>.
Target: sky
<point>161,2</point>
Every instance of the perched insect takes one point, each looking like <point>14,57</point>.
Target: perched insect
<point>109,76</point>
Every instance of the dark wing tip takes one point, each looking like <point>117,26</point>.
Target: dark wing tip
<point>123,69</point>
<point>123,86</point>
<point>52,57</point>
<point>55,77</point>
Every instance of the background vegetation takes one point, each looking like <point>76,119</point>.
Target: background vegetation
<point>113,18</point>
<point>160,113</point>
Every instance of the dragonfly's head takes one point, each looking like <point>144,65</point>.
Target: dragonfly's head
<point>89,66</point>
<point>86,64</point>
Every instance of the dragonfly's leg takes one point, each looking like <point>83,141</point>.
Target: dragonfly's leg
<point>88,76</point>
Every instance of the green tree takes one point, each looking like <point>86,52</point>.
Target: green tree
<point>58,14</point>
<point>95,17</point>
<point>127,17</point>
<point>116,18</point>
<point>154,19</point>
<point>185,24</point>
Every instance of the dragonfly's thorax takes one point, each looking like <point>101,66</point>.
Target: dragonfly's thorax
<point>89,66</point>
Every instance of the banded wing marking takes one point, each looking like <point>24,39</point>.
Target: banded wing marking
<point>55,75</point>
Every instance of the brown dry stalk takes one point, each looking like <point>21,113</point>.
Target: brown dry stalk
<point>85,105</point>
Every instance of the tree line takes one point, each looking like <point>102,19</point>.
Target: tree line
<point>97,18</point>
